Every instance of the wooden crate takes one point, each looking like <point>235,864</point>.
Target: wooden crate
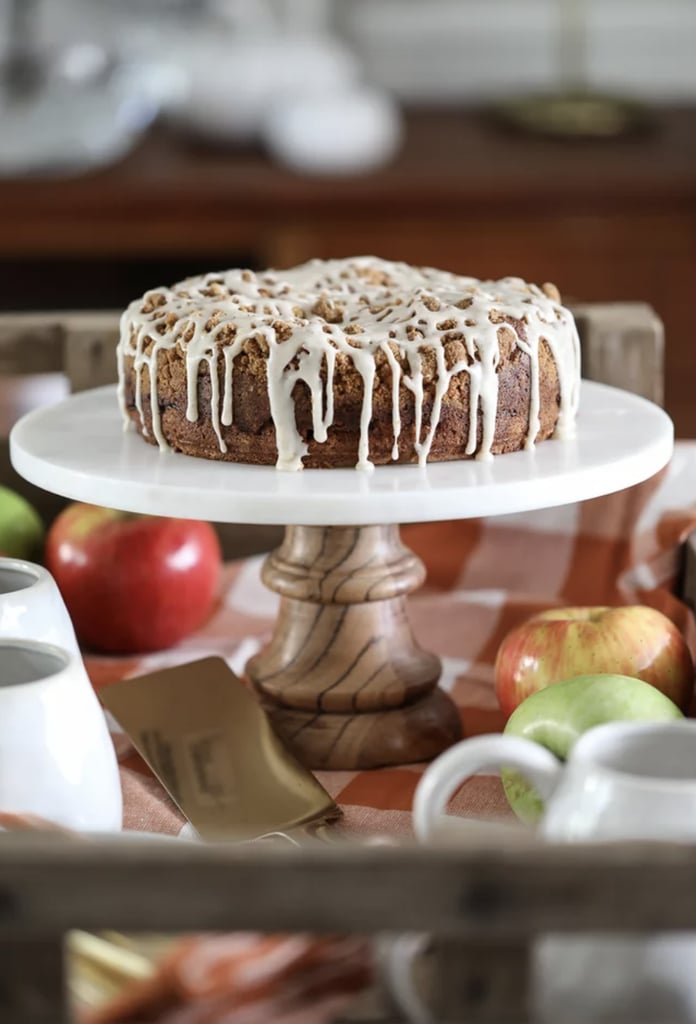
<point>483,905</point>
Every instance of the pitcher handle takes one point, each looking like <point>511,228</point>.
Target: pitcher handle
<point>480,754</point>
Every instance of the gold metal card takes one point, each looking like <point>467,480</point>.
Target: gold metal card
<point>210,743</point>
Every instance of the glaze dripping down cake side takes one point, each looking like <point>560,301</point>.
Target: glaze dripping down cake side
<point>348,363</point>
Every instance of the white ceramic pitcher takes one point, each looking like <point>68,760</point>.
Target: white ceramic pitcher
<point>31,605</point>
<point>57,760</point>
<point>623,780</point>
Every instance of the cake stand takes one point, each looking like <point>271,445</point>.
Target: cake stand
<point>342,677</point>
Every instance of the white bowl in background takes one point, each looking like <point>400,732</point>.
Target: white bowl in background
<point>346,131</point>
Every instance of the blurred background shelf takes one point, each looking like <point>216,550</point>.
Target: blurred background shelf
<point>606,220</point>
<point>143,141</point>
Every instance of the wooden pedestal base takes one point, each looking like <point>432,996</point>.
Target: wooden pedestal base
<point>342,677</point>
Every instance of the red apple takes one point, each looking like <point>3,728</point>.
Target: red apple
<point>633,640</point>
<point>133,583</point>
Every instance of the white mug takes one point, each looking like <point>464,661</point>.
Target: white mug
<point>57,760</point>
<point>622,781</point>
<point>31,605</point>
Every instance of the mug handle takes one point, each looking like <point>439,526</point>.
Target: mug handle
<point>480,754</point>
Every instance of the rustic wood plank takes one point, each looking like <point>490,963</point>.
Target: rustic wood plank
<point>504,894</point>
<point>90,341</point>
<point>32,984</point>
<point>623,345</point>
<point>81,344</point>
<point>371,1007</point>
<point>480,983</point>
<point>31,343</point>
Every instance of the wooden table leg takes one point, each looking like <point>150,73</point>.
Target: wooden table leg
<point>344,681</point>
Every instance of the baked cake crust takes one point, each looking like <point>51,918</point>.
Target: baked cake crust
<point>348,362</point>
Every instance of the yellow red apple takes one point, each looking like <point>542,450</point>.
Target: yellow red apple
<point>631,640</point>
<point>133,583</point>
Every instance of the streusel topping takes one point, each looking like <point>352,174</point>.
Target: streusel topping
<point>428,324</point>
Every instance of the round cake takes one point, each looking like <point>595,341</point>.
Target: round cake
<point>355,362</point>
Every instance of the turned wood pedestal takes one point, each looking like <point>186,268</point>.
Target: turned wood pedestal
<point>343,679</point>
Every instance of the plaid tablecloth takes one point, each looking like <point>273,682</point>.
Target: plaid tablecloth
<point>484,577</point>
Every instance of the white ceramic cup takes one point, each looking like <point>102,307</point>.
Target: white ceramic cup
<point>31,605</point>
<point>622,781</point>
<point>57,760</point>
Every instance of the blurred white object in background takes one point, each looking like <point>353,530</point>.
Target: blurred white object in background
<point>245,15</point>
<point>233,79</point>
<point>78,92</point>
<point>278,74</point>
<point>76,122</point>
<point>451,51</point>
<point>69,109</point>
<point>336,132</point>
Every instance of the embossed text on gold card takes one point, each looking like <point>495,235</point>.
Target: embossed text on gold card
<point>211,745</point>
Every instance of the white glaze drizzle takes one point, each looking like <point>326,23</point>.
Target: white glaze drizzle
<point>394,308</point>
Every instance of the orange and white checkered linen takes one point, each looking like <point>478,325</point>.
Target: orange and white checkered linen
<point>484,577</point>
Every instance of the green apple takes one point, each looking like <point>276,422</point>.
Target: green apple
<point>21,528</point>
<point>558,715</point>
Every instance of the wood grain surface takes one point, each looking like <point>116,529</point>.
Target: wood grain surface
<point>342,676</point>
<point>483,904</point>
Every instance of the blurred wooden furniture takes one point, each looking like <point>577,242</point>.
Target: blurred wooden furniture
<point>622,345</point>
<point>611,220</point>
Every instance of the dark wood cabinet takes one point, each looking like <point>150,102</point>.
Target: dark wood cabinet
<point>606,220</point>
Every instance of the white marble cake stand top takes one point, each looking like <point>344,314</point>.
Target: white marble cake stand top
<point>78,449</point>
